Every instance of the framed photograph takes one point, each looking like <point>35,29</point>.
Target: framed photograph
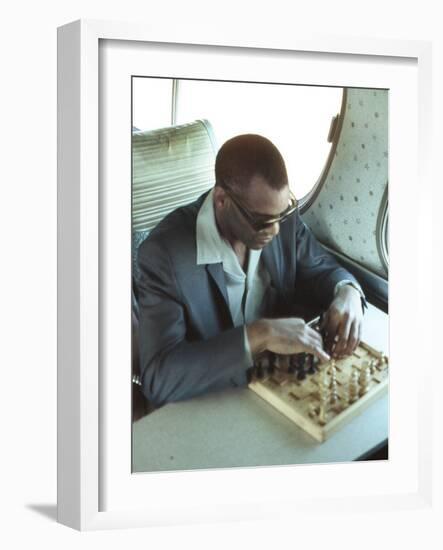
<point>220,456</point>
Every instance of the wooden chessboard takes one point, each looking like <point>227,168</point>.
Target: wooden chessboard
<point>324,401</point>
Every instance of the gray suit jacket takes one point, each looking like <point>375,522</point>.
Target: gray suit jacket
<point>188,344</point>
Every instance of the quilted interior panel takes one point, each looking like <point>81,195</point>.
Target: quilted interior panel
<point>346,213</point>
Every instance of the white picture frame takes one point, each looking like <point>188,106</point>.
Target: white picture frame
<point>81,470</point>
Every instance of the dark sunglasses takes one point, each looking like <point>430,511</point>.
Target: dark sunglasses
<point>259,222</point>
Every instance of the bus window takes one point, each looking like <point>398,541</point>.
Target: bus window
<point>296,118</point>
<point>151,102</point>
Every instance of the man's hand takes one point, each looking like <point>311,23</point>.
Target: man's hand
<point>342,322</point>
<point>286,337</point>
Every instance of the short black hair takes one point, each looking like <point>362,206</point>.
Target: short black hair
<point>248,155</point>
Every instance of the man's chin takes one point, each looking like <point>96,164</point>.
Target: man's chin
<point>259,245</point>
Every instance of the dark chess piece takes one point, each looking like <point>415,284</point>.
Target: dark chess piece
<point>301,370</point>
<point>272,363</point>
<point>293,363</point>
<point>310,364</point>
<point>259,371</point>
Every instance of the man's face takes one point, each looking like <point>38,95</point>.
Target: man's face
<point>263,203</point>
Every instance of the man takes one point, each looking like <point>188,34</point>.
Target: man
<point>218,281</point>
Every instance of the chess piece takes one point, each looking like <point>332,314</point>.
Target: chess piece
<point>382,363</point>
<point>284,363</point>
<point>272,363</point>
<point>324,394</point>
<point>364,378</point>
<point>292,364</point>
<point>312,410</point>
<point>322,414</point>
<point>353,386</point>
<point>311,369</point>
<point>264,361</point>
<point>344,401</point>
<point>333,383</point>
<point>261,371</point>
<point>301,374</point>
<point>301,369</point>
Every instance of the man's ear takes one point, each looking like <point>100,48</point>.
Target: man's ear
<point>219,196</point>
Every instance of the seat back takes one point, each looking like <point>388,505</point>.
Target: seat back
<point>171,167</point>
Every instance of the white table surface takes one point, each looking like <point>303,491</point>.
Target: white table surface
<point>237,428</point>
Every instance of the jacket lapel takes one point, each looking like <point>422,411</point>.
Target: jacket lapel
<point>217,274</point>
<point>272,257</point>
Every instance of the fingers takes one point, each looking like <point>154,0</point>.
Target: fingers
<point>343,336</point>
<point>357,330</point>
<point>330,329</point>
<point>348,337</point>
<point>342,326</point>
<point>314,345</point>
<point>321,355</point>
<point>292,335</point>
<point>314,337</point>
<point>353,339</point>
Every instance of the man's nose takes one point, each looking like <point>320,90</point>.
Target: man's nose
<point>273,230</point>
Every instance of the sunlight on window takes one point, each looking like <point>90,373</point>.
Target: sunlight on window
<point>151,102</point>
<point>295,118</point>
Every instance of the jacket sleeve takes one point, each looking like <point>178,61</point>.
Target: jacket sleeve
<point>317,269</point>
<point>173,368</point>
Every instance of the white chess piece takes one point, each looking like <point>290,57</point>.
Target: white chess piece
<point>333,383</point>
<point>324,394</point>
<point>353,386</point>
<point>365,378</point>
